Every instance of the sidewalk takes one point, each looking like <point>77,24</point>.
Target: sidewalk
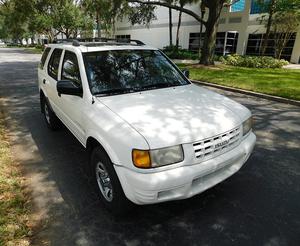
<point>292,66</point>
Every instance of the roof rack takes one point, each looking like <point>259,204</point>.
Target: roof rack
<point>98,41</point>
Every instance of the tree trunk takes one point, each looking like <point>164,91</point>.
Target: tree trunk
<point>98,25</point>
<point>33,39</point>
<point>269,25</point>
<point>170,27</point>
<point>178,28</point>
<point>208,50</point>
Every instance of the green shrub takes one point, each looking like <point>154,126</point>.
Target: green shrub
<point>174,52</point>
<point>253,61</point>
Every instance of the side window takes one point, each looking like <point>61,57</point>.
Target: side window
<point>54,63</point>
<point>44,57</point>
<point>70,68</point>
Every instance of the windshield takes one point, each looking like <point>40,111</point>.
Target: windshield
<point>125,71</point>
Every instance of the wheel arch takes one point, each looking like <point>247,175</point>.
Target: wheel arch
<point>92,142</point>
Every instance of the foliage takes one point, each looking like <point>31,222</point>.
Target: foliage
<point>175,52</point>
<point>272,8</point>
<point>25,18</point>
<point>69,19</point>
<point>278,5</point>
<point>253,61</point>
<point>141,14</point>
<point>285,24</point>
<point>14,25</point>
<point>277,82</point>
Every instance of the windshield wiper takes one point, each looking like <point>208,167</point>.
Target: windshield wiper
<point>159,85</point>
<point>115,91</point>
<point>134,89</point>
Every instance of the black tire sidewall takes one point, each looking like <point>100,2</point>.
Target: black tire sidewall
<point>53,123</point>
<point>119,202</point>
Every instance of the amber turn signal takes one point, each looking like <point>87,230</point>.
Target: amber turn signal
<point>141,158</point>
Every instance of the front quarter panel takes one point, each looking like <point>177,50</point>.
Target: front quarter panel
<point>115,135</point>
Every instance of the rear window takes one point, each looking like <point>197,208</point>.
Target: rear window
<point>44,57</point>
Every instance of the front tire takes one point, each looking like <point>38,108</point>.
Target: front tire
<point>106,182</point>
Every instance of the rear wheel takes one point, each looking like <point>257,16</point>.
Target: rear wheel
<point>51,119</point>
<point>106,182</point>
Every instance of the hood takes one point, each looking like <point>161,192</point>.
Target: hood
<point>183,114</point>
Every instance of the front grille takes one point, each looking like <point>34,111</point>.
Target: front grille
<point>217,145</point>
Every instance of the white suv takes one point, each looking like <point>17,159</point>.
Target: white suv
<point>152,135</point>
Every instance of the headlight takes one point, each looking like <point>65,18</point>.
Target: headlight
<point>158,157</point>
<point>247,125</point>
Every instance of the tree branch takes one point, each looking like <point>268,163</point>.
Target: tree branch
<point>230,4</point>
<point>167,5</point>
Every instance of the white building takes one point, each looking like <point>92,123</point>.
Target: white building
<point>239,31</point>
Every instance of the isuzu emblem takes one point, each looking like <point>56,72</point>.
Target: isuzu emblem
<point>221,144</point>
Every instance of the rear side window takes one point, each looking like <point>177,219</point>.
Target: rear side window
<point>70,68</point>
<point>54,63</point>
<point>44,57</point>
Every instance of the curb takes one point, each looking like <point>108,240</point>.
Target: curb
<point>251,93</point>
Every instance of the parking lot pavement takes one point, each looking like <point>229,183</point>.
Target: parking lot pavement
<point>260,205</point>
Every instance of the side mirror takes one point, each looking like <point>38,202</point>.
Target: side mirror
<point>186,73</point>
<point>68,87</point>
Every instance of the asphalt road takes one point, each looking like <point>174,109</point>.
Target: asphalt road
<point>260,205</point>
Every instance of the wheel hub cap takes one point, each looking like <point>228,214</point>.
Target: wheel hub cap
<point>47,113</point>
<point>104,182</point>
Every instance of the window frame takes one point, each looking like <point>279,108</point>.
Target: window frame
<point>62,66</point>
<point>44,57</point>
<point>162,53</point>
<point>50,63</point>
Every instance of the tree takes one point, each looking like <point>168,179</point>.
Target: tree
<point>14,24</point>
<point>98,10</point>
<point>3,28</point>
<point>271,7</point>
<point>215,7</point>
<point>182,3</point>
<point>284,25</point>
<point>170,23</point>
<point>69,19</point>
<point>170,27</point>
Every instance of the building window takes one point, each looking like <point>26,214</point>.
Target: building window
<point>238,6</point>
<point>255,42</point>
<point>226,42</point>
<point>194,41</point>
<point>257,8</point>
<point>126,36</point>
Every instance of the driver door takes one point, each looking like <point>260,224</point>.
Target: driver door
<point>72,106</point>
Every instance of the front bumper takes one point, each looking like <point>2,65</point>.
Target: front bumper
<point>185,181</point>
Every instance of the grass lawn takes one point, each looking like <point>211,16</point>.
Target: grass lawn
<point>278,82</point>
<point>31,50</point>
<point>34,50</point>
<point>13,201</point>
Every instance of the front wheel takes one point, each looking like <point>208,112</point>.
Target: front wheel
<point>107,183</point>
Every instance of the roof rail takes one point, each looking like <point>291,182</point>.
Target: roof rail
<point>82,41</point>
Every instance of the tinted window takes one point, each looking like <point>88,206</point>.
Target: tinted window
<point>44,57</point>
<point>70,69</point>
<point>54,63</point>
<point>125,71</point>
